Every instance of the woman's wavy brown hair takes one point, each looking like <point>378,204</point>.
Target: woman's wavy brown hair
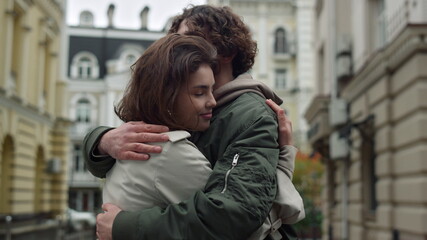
<point>224,29</point>
<point>158,75</point>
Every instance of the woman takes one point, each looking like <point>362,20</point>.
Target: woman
<point>172,85</point>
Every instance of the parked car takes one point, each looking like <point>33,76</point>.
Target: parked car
<point>80,220</point>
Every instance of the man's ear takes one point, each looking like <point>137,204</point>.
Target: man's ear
<point>228,59</point>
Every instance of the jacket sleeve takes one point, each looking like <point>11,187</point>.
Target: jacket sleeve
<point>288,205</point>
<point>97,165</point>
<point>236,198</point>
<point>287,160</point>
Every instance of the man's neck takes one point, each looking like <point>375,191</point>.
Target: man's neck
<point>225,75</point>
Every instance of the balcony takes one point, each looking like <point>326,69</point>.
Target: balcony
<point>317,116</point>
<point>289,54</point>
<point>83,180</point>
<point>402,13</point>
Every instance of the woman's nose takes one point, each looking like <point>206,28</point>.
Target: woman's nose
<point>212,102</point>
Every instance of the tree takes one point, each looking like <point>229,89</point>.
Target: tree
<point>308,181</point>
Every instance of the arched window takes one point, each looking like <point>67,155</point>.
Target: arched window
<point>86,19</point>
<point>83,111</point>
<point>128,56</point>
<point>280,41</point>
<point>125,56</point>
<point>84,66</point>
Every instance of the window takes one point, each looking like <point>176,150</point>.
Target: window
<point>86,19</point>
<point>380,39</point>
<point>127,54</point>
<point>280,42</point>
<point>377,25</point>
<point>369,179</point>
<point>79,165</point>
<point>280,80</point>
<point>72,199</point>
<point>368,158</point>
<point>84,66</point>
<point>83,111</point>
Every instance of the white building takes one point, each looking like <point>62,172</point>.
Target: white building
<point>368,119</point>
<point>283,30</point>
<point>96,68</point>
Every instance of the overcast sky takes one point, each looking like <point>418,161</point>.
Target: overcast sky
<point>127,12</point>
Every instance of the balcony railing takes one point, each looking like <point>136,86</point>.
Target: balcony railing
<point>402,13</point>
<point>82,179</point>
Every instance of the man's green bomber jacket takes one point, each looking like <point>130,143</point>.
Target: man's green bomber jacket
<point>237,196</point>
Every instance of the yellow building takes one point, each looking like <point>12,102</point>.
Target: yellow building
<point>33,135</point>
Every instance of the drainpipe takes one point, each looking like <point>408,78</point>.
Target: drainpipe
<point>8,227</point>
<point>345,199</point>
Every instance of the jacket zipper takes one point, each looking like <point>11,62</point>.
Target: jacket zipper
<point>233,164</point>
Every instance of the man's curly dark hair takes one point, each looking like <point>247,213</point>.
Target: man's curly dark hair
<point>224,29</point>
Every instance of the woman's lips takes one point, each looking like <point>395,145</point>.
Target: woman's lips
<point>206,115</point>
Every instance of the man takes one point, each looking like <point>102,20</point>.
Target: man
<point>241,144</point>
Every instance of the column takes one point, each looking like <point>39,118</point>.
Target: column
<point>6,31</point>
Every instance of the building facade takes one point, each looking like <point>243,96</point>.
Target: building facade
<point>33,132</point>
<point>285,60</point>
<point>368,118</point>
<point>96,68</point>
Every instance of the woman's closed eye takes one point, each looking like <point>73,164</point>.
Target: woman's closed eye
<point>199,93</point>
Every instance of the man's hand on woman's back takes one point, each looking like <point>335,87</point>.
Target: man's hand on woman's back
<point>129,141</point>
<point>285,124</point>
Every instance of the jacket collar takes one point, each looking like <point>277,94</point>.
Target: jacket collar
<point>242,84</point>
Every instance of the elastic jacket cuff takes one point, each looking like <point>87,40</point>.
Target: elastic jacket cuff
<point>287,157</point>
<point>99,132</point>
<point>125,225</point>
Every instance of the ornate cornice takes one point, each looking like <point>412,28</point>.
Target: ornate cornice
<point>53,12</point>
<point>26,110</point>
